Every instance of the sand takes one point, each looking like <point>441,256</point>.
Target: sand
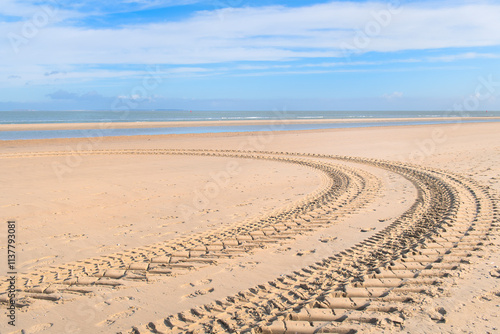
<point>276,122</point>
<point>191,233</point>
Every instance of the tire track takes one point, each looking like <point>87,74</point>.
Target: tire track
<point>374,285</point>
<point>370,284</point>
<point>343,189</point>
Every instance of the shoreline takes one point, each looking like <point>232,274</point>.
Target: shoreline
<point>125,140</point>
<point>181,124</point>
<point>214,135</point>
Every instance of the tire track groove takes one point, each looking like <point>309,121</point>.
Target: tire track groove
<point>348,277</point>
<point>340,185</point>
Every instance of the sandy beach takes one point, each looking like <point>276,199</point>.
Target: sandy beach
<point>386,229</point>
<point>141,125</point>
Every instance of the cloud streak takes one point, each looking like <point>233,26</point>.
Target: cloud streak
<point>65,95</point>
<point>243,45</point>
<point>274,33</point>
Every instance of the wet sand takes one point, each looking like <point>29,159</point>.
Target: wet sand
<point>140,125</point>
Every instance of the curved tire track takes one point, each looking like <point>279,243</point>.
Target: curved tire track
<point>343,189</point>
<point>370,284</point>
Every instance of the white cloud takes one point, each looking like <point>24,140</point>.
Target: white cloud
<point>464,56</point>
<point>38,75</point>
<point>16,8</point>
<point>39,13</point>
<point>393,95</point>
<point>436,59</point>
<point>274,33</point>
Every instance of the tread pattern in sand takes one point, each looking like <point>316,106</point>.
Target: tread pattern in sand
<point>343,190</point>
<point>374,284</point>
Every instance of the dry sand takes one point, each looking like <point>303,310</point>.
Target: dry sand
<point>131,209</point>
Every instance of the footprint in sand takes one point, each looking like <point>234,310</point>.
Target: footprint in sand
<point>281,250</point>
<point>120,315</point>
<point>302,253</point>
<point>327,239</point>
<point>198,283</point>
<point>199,293</point>
<point>495,273</point>
<point>250,264</point>
<point>112,301</point>
<point>46,260</point>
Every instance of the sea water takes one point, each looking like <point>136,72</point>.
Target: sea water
<point>104,117</point>
<point>28,117</point>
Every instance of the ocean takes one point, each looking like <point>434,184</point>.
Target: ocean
<point>28,117</point>
<point>44,117</point>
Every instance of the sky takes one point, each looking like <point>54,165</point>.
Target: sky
<point>249,55</point>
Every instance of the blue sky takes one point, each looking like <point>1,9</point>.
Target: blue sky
<point>245,55</point>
